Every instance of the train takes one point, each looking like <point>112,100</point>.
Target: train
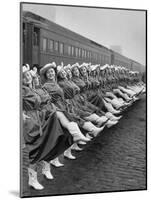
<point>43,41</point>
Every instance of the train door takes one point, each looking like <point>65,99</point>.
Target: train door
<point>36,46</point>
<point>27,43</point>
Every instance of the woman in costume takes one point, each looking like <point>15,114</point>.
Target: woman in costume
<point>88,92</point>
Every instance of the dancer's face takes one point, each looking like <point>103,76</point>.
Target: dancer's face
<point>63,74</point>
<point>75,71</point>
<point>69,73</point>
<point>83,71</point>
<point>50,74</point>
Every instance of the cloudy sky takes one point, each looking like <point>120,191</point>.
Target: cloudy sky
<point>106,26</point>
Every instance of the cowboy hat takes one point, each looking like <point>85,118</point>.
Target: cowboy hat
<point>25,68</point>
<point>45,68</point>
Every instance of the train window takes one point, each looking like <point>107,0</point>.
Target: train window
<point>79,53</point>
<point>72,51</point>
<point>50,45</point>
<point>76,52</point>
<point>44,44</point>
<point>61,48</point>
<point>85,53</point>
<point>82,53</point>
<point>69,50</point>
<point>56,46</point>
<point>90,55</point>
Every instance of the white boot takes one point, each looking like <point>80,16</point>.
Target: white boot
<point>68,154</point>
<point>110,108</point>
<point>33,182</point>
<point>114,111</point>
<point>96,119</point>
<point>76,147</point>
<point>100,120</point>
<point>103,119</point>
<point>97,130</point>
<point>112,117</point>
<point>135,98</point>
<point>117,104</point>
<point>92,128</point>
<point>76,133</point>
<point>46,170</point>
<point>111,123</point>
<point>55,162</point>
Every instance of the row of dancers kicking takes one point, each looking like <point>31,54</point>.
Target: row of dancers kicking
<point>68,105</point>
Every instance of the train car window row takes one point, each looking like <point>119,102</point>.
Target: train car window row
<point>59,47</point>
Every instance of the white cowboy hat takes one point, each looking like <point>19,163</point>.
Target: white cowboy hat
<point>25,68</point>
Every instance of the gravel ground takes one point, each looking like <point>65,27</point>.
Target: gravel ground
<point>113,161</point>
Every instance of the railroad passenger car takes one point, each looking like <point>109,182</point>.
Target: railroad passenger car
<point>44,41</point>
